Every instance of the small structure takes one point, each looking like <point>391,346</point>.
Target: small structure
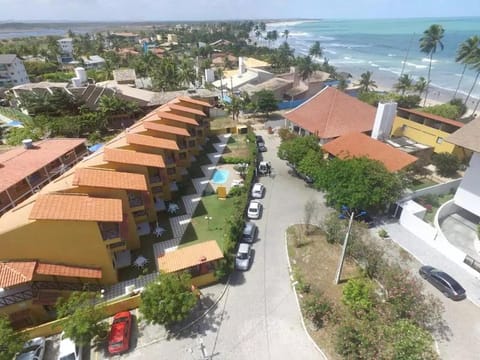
<point>199,260</point>
<point>125,76</point>
<point>93,62</point>
<point>12,71</point>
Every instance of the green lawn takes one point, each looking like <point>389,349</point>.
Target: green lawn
<point>433,203</point>
<point>418,184</point>
<point>201,229</point>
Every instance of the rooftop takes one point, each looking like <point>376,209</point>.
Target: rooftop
<point>149,125</point>
<point>194,101</point>
<point>18,163</point>
<point>433,117</point>
<point>157,115</point>
<point>76,207</point>
<point>175,105</point>
<point>109,179</point>
<point>189,256</point>
<point>468,136</point>
<point>124,75</point>
<point>133,158</point>
<point>145,140</point>
<point>7,58</point>
<point>332,113</point>
<point>360,145</point>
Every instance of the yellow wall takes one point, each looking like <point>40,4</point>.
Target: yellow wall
<point>425,135</point>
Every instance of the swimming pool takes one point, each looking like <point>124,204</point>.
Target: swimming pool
<point>220,176</point>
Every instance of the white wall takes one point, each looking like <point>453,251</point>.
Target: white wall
<point>411,219</point>
<point>468,193</point>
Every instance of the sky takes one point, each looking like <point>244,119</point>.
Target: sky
<point>171,10</point>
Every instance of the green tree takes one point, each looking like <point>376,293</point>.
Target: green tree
<point>285,34</point>
<point>312,163</point>
<point>265,102</point>
<point>420,85</point>
<point>449,111</point>
<point>315,50</point>
<point>360,183</point>
<point>366,82</point>
<point>10,341</point>
<point>466,50</point>
<point>429,42</point>
<point>168,300</point>
<point>405,83</point>
<point>81,319</point>
<point>306,67</point>
<point>359,296</point>
<point>296,149</point>
<point>447,164</point>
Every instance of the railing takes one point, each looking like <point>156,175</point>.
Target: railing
<point>135,201</point>
<point>118,246</point>
<point>154,179</point>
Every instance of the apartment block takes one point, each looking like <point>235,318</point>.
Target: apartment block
<point>12,71</point>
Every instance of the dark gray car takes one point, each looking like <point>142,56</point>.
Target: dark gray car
<point>250,232</point>
<point>443,282</point>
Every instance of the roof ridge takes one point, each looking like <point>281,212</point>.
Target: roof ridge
<point>330,110</point>
<point>15,270</point>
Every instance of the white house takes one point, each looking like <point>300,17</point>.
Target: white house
<point>65,48</point>
<point>12,71</point>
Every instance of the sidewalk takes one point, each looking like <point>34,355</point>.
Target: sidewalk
<point>437,255</point>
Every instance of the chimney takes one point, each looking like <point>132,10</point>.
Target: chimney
<point>382,127</point>
<point>296,76</point>
<point>241,66</point>
<point>27,143</point>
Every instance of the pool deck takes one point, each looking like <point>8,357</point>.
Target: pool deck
<point>232,176</point>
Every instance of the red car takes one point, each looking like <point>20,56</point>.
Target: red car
<point>119,338</point>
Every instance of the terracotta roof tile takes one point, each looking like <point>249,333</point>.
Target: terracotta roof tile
<point>133,157</point>
<point>189,256</point>
<point>434,117</point>
<point>68,271</point>
<point>332,113</point>
<point>109,179</point>
<point>152,141</point>
<point>165,128</point>
<point>18,163</point>
<point>358,145</point>
<point>186,109</point>
<point>194,101</point>
<point>170,116</point>
<point>16,272</point>
<point>76,207</point>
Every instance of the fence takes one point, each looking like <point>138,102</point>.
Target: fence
<point>438,189</point>
<point>412,219</point>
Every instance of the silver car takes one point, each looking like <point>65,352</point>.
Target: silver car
<point>32,350</point>
<point>254,210</point>
<point>244,256</point>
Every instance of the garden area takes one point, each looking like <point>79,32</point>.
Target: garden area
<point>222,122</point>
<point>432,203</point>
<point>377,311</point>
<point>237,148</point>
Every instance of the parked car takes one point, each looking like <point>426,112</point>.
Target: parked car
<point>68,350</point>
<point>261,147</point>
<point>264,167</point>
<point>257,191</point>
<point>443,282</point>
<point>297,173</point>
<point>359,215</point>
<point>250,232</point>
<point>243,257</point>
<point>120,332</point>
<point>33,349</point>
<point>254,210</point>
<point>259,139</point>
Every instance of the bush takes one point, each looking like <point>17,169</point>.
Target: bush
<point>233,160</point>
<point>383,233</point>
<point>447,164</point>
<point>285,134</point>
<point>236,191</point>
<point>318,309</point>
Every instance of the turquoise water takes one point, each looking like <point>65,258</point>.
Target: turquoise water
<point>381,46</point>
<point>220,176</point>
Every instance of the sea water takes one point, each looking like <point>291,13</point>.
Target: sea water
<point>382,45</point>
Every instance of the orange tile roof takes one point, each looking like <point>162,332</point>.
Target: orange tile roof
<point>189,256</point>
<point>109,179</point>
<point>133,157</point>
<point>165,128</point>
<point>170,116</point>
<point>137,139</point>
<point>68,271</point>
<point>332,113</point>
<point>18,163</point>
<point>186,109</point>
<point>76,207</point>
<point>194,101</point>
<point>434,117</point>
<point>358,145</point>
<point>16,272</point>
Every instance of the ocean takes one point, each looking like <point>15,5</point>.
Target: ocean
<point>381,46</point>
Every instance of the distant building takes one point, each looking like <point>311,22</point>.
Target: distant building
<point>12,71</point>
<point>93,62</point>
<point>65,47</point>
<point>124,76</point>
<point>172,38</point>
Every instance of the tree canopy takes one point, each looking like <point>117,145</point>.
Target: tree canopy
<point>265,102</point>
<point>10,341</point>
<point>294,150</point>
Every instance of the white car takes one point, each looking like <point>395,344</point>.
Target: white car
<point>257,191</point>
<point>243,257</point>
<point>32,350</point>
<point>68,350</point>
<point>254,210</point>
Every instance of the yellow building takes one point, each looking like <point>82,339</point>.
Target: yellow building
<point>86,221</point>
<point>428,129</point>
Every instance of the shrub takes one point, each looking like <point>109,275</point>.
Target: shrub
<point>234,160</point>
<point>447,164</point>
<point>236,191</point>
<point>318,309</point>
<point>285,134</point>
<point>358,296</point>
<point>383,233</point>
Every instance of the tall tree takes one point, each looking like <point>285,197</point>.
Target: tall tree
<point>473,61</point>
<point>315,50</point>
<point>366,82</point>
<point>285,34</point>
<point>420,85</point>
<point>429,42</point>
<point>405,83</point>
<point>306,67</point>
<point>465,51</point>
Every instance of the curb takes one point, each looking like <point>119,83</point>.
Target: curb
<point>296,298</point>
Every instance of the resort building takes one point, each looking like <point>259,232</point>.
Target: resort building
<point>65,49</point>
<point>12,71</point>
<point>428,129</point>
<point>330,114</point>
<point>28,168</point>
<point>90,218</point>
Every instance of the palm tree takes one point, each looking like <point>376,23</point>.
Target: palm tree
<point>464,52</point>
<point>473,61</point>
<point>404,83</point>
<point>431,39</point>
<point>185,72</point>
<point>315,50</point>
<point>420,85</point>
<point>285,34</point>
<point>366,82</point>
<point>306,67</point>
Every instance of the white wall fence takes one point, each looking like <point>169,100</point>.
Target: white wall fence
<point>412,219</point>
<point>438,189</point>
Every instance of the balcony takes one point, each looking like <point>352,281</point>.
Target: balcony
<point>135,200</point>
<point>118,246</point>
<point>155,180</point>
<point>109,230</point>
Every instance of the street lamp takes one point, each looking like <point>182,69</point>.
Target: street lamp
<point>208,218</point>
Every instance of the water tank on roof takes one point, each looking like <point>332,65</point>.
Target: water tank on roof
<point>81,74</point>
<point>76,82</point>
<point>27,143</point>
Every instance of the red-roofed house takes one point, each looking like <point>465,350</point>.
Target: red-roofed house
<point>331,113</point>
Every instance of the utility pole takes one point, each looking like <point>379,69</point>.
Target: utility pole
<point>344,249</point>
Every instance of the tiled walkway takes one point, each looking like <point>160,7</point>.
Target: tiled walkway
<point>180,223</point>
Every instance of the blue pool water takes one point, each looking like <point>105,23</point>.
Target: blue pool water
<point>220,176</point>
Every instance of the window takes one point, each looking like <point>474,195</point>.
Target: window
<point>439,140</point>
